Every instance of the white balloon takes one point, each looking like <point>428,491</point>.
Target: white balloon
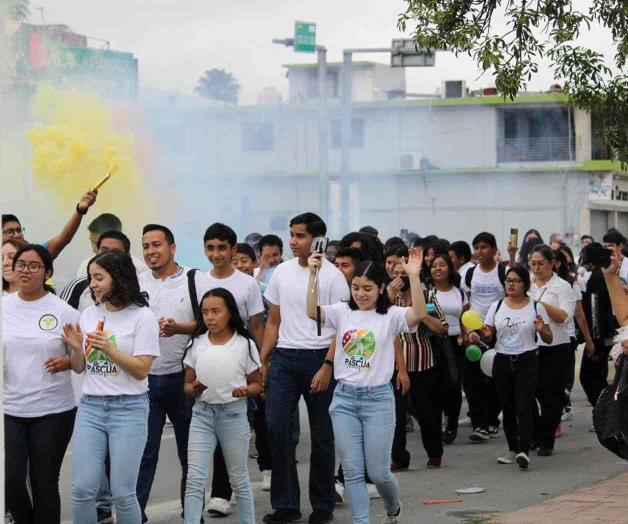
<point>486,362</point>
<point>216,367</point>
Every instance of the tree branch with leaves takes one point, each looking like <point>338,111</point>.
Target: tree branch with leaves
<point>220,85</point>
<point>536,29</point>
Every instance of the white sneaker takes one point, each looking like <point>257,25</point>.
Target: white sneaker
<point>372,491</point>
<point>340,492</point>
<point>507,458</point>
<point>220,507</point>
<point>266,480</point>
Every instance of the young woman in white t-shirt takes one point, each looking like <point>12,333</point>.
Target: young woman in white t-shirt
<point>445,287</point>
<point>517,323</point>
<point>557,297</point>
<point>113,412</point>
<point>38,402</point>
<point>219,413</point>
<point>363,406</point>
<point>9,277</point>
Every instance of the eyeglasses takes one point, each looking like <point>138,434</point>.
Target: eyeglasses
<point>514,281</point>
<point>11,232</point>
<point>33,267</point>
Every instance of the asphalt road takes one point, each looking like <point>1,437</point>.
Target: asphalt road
<point>578,461</point>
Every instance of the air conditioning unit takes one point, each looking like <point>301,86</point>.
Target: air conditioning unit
<point>454,89</point>
<point>409,161</point>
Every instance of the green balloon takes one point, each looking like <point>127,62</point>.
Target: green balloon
<point>473,353</point>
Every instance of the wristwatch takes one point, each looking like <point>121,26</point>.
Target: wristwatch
<point>78,210</point>
<point>330,363</point>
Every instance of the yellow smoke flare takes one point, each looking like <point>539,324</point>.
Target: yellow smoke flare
<point>76,144</point>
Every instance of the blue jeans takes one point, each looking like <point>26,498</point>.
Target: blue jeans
<point>166,398</point>
<point>364,425</point>
<point>228,425</point>
<point>117,425</point>
<point>290,376</point>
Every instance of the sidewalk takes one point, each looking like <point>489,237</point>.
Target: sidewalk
<point>605,502</point>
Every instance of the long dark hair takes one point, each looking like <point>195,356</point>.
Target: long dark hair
<point>46,259</point>
<point>526,250</point>
<point>453,277</point>
<point>126,288</point>
<point>235,320</point>
<point>375,272</point>
<point>563,270</point>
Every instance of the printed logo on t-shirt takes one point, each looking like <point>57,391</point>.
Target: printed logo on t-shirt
<point>359,348</point>
<point>511,340</point>
<point>97,363</point>
<point>48,322</point>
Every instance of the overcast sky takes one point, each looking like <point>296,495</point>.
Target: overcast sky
<point>176,40</point>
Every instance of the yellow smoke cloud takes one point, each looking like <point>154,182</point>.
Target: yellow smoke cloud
<point>76,144</point>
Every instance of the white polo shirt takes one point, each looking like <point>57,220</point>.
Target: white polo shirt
<point>558,293</point>
<point>171,298</point>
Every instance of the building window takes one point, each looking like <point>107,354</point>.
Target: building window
<point>258,136</point>
<point>312,84</point>
<point>357,133</point>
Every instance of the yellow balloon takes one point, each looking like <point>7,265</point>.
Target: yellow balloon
<point>472,320</point>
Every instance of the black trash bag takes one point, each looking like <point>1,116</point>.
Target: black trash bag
<point>610,414</point>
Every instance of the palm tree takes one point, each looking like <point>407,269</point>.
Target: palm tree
<point>218,84</point>
<point>15,9</point>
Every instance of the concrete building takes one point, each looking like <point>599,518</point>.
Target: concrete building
<point>449,166</point>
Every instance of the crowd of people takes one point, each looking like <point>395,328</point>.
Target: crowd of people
<point>371,335</point>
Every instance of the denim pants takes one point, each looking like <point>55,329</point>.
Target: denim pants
<point>516,378</point>
<point>166,398</point>
<point>364,425</point>
<point>108,424</point>
<point>228,425</point>
<point>35,447</point>
<point>290,377</point>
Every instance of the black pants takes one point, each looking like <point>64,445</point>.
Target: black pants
<point>482,397</point>
<point>38,444</point>
<point>452,396</point>
<point>426,391</point>
<point>553,362</point>
<point>516,380</point>
<point>593,372</point>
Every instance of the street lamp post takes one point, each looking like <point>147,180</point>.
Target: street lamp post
<point>323,146</point>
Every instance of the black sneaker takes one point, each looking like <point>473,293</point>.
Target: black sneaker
<point>449,435</point>
<point>282,516</point>
<point>479,435</point>
<point>320,517</point>
<point>544,452</point>
<point>493,431</point>
<point>103,516</point>
<point>523,460</point>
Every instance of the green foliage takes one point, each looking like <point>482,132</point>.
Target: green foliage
<point>15,9</point>
<point>220,85</point>
<point>536,29</point>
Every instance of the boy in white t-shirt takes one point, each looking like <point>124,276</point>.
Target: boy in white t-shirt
<point>298,361</point>
<point>484,284</point>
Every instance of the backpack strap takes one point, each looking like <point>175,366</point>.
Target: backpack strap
<point>192,290</point>
<point>468,277</point>
<point>499,304</point>
<point>501,274</point>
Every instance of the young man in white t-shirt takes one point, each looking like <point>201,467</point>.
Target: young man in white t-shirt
<point>293,356</point>
<point>484,284</point>
<point>220,242</point>
<point>168,287</point>
<point>460,254</point>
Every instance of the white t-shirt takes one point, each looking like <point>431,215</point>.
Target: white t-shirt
<point>623,271</point>
<point>558,293</point>
<point>577,293</point>
<point>463,270</point>
<point>32,333</point>
<point>485,289</point>
<point>451,303</point>
<point>515,329</point>
<point>365,352</point>
<point>136,333</point>
<point>171,298</point>
<point>288,288</point>
<point>239,346</point>
<point>140,266</point>
<point>244,289</point>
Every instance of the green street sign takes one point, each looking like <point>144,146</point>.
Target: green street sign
<point>304,37</point>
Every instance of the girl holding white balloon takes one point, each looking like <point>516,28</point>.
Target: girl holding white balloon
<point>363,405</point>
<point>516,322</point>
<point>222,369</point>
